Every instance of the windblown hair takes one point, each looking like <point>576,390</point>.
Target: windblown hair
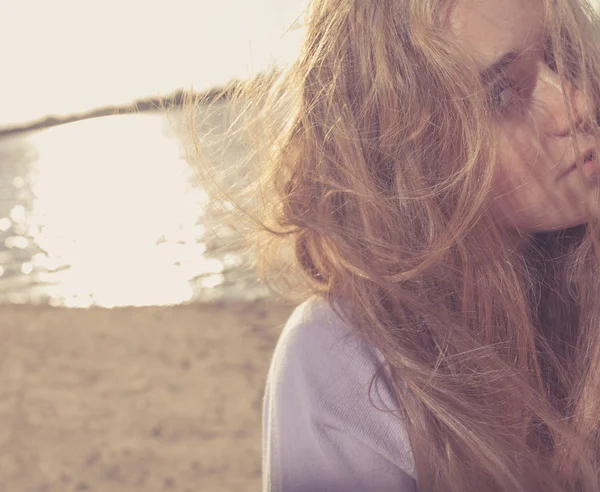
<point>375,193</point>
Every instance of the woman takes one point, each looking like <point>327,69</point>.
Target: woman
<point>436,179</point>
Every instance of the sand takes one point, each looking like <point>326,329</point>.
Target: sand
<point>134,399</point>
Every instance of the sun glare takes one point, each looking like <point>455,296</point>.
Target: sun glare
<point>116,215</point>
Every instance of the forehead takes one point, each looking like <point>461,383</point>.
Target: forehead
<point>490,28</point>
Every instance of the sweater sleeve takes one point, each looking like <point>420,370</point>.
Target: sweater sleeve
<point>320,430</point>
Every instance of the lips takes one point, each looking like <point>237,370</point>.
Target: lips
<point>588,156</point>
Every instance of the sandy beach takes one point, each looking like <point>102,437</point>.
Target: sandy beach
<point>134,399</point>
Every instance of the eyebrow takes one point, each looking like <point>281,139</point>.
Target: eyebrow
<point>491,72</point>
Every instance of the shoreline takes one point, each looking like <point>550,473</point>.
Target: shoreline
<point>178,100</point>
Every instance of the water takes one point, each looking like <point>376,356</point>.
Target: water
<point>107,212</point>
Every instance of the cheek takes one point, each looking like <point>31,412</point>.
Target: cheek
<point>525,194</point>
<point>520,164</point>
<point>520,182</point>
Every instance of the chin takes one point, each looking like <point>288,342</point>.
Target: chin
<point>563,226</point>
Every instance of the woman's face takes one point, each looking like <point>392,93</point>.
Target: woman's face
<point>535,190</point>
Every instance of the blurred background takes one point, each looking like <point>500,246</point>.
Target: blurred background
<point>135,344</point>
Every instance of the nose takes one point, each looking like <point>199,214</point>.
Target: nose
<point>555,97</point>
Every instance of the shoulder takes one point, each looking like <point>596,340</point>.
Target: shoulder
<point>323,375</point>
<point>316,333</point>
<point>317,342</point>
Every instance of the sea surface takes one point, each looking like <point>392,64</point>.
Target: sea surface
<point>109,212</point>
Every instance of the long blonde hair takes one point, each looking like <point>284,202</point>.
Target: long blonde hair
<point>374,191</point>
